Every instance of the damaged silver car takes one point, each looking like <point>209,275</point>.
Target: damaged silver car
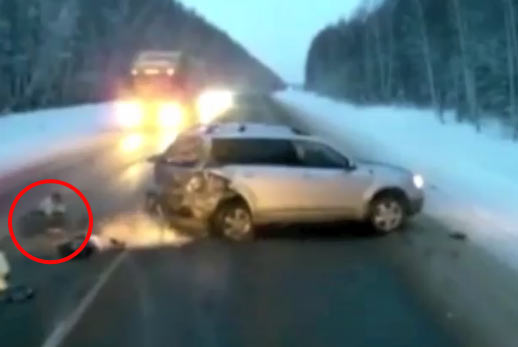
<point>237,176</point>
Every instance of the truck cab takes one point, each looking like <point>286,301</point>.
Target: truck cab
<point>162,89</point>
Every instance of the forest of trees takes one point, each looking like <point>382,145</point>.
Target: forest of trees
<point>457,54</point>
<point>61,52</point>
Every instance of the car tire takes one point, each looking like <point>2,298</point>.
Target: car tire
<point>233,221</point>
<point>387,213</point>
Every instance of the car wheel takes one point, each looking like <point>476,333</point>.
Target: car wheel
<point>387,214</point>
<point>233,221</point>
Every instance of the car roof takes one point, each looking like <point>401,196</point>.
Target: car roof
<point>250,130</point>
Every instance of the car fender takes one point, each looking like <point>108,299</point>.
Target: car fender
<point>380,184</point>
<point>247,196</point>
<point>237,189</point>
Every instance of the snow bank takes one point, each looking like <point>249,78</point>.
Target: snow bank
<point>26,138</point>
<point>472,178</point>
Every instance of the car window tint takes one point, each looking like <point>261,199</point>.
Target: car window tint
<point>185,151</point>
<point>254,152</point>
<point>317,155</point>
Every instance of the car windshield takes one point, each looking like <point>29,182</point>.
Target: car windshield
<point>186,173</point>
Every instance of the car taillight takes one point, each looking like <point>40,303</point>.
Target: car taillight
<point>195,183</point>
<point>210,183</point>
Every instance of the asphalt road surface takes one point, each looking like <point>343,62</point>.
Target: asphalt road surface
<point>301,286</point>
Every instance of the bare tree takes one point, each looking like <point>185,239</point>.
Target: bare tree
<point>425,46</point>
<point>512,61</point>
<point>368,65</point>
<point>379,54</point>
<point>387,88</point>
<point>50,54</point>
<point>469,80</point>
<point>511,67</point>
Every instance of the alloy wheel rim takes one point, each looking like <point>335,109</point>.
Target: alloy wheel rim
<point>388,215</point>
<point>237,224</point>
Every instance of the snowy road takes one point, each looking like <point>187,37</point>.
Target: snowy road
<point>328,286</point>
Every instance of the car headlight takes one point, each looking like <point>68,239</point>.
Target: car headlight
<point>170,114</point>
<point>129,113</point>
<point>418,181</point>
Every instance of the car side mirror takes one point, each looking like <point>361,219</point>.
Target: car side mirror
<point>154,158</point>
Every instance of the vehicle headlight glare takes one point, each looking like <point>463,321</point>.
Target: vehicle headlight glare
<point>170,115</point>
<point>418,181</point>
<point>129,113</point>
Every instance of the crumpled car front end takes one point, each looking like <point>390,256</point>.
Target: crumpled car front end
<point>198,195</point>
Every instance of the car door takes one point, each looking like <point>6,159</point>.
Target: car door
<point>276,191</point>
<point>335,186</point>
<point>267,173</point>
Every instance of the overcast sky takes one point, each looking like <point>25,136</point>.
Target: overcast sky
<point>278,32</point>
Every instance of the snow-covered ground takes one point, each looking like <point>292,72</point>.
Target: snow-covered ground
<point>27,138</point>
<point>472,179</point>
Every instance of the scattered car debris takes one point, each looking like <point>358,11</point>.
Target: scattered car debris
<point>18,294</point>
<point>70,246</point>
<point>458,235</point>
<point>95,245</point>
<point>117,244</point>
<point>11,294</point>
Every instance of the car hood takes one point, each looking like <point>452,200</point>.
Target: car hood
<point>381,167</point>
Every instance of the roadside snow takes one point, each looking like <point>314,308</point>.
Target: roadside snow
<point>28,138</point>
<point>472,179</point>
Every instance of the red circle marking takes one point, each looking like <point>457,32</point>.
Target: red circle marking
<point>88,234</point>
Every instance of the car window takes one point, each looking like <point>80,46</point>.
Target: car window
<point>186,151</point>
<point>254,152</point>
<point>317,155</point>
